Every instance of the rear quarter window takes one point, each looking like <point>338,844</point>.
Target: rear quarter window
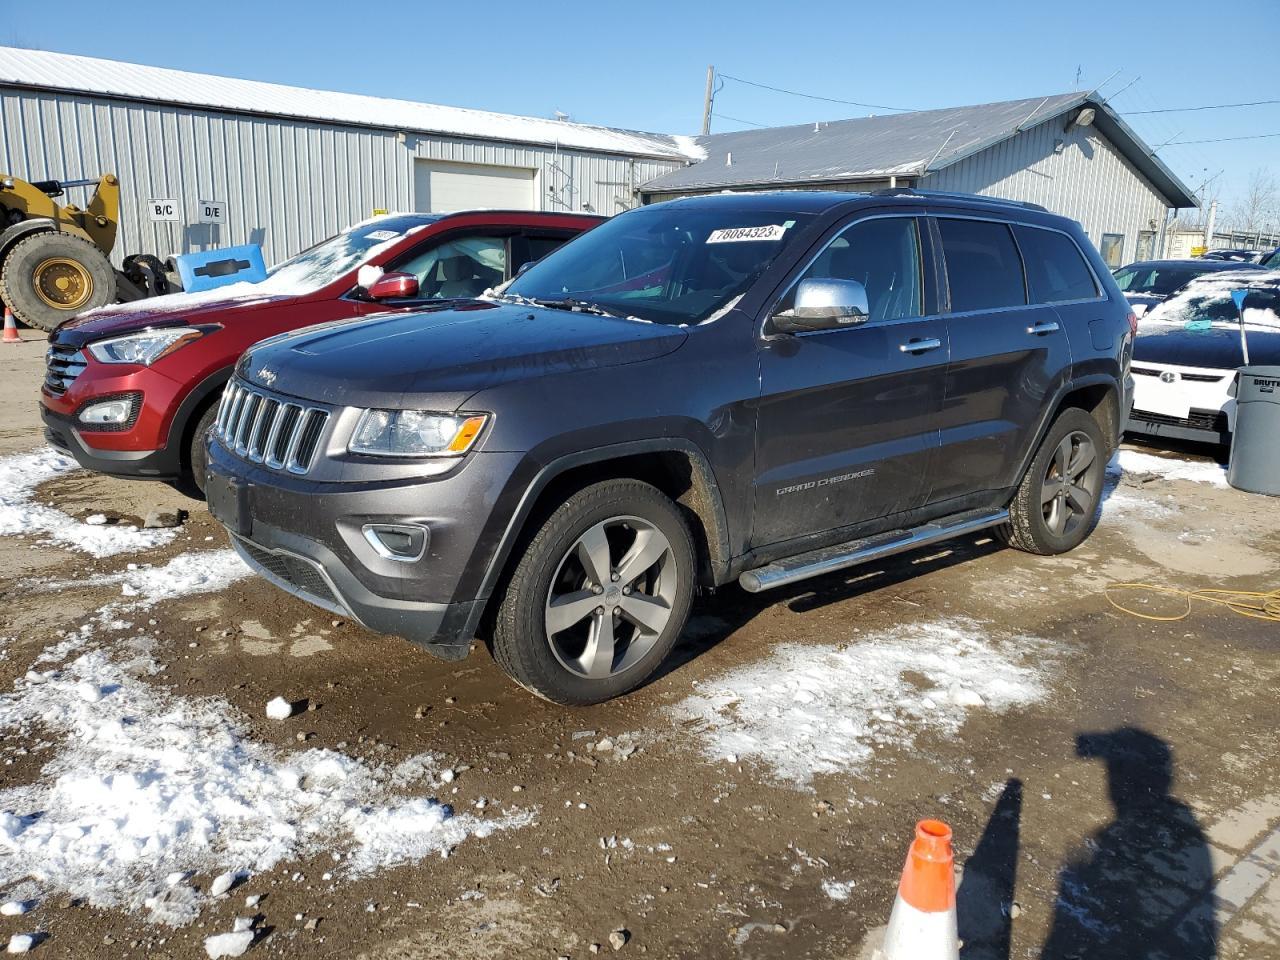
<point>984,271</point>
<point>1056,271</point>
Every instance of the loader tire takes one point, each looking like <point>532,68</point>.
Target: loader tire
<point>51,277</point>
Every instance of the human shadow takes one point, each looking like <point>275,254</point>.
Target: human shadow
<point>1142,887</point>
<point>984,901</point>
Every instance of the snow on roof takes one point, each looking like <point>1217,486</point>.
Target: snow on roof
<point>114,78</point>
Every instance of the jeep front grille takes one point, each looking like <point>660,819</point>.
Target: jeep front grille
<point>264,429</point>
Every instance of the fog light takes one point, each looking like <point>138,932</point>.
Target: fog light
<point>405,542</point>
<point>109,412</point>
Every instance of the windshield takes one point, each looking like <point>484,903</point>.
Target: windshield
<point>673,263</point>
<point>328,260</point>
<point>1157,281</point>
<point>1208,302</point>
<point>1273,260</point>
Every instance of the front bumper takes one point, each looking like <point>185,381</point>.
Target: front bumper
<point>1184,403</point>
<point>62,432</point>
<point>306,537</point>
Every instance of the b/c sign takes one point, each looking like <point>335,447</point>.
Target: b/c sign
<point>164,209</point>
<point>212,211</point>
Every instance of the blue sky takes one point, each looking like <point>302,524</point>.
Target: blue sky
<point>643,65</point>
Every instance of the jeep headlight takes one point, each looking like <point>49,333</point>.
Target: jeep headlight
<point>415,433</point>
<point>144,347</point>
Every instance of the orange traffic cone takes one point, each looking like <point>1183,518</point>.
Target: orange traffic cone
<point>10,328</point>
<point>923,923</point>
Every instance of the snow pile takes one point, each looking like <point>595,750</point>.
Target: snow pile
<point>1168,468</point>
<point>19,476</point>
<point>188,573</point>
<point>808,709</point>
<point>146,784</point>
<point>838,889</point>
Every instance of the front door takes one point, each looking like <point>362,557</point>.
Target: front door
<point>847,418</point>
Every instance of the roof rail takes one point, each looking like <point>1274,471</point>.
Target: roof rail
<point>945,195</point>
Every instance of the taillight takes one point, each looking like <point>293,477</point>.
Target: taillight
<point>1133,323</point>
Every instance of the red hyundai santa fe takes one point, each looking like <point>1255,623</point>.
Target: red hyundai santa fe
<point>131,389</point>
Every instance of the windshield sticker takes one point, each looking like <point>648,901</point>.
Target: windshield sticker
<point>380,235</point>
<point>772,231</point>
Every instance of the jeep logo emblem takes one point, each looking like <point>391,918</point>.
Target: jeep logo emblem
<point>1168,376</point>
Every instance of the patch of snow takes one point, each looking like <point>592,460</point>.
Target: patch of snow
<point>146,783</point>
<point>279,709</point>
<point>1168,468</point>
<point>807,710</point>
<point>232,944</point>
<point>15,908</point>
<point>207,571</point>
<point>21,943</point>
<point>22,473</point>
<point>838,889</point>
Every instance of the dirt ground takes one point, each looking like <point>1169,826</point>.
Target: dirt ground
<point>1102,810</point>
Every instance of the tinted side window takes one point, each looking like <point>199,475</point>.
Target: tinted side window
<point>1055,269</point>
<point>882,255</point>
<point>983,267</point>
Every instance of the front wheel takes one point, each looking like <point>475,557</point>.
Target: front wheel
<point>600,595</point>
<point>1056,505</point>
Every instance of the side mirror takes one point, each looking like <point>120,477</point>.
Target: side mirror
<point>391,286</point>
<point>826,304</point>
<point>524,266</point>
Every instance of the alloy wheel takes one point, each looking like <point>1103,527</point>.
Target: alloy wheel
<point>611,597</point>
<point>1069,491</point>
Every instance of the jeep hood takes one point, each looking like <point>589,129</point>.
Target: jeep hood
<point>442,357</point>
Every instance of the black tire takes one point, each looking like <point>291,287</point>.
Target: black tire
<point>539,660</point>
<point>197,456</point>
<point>1036,521</point>
<point>57,256</point>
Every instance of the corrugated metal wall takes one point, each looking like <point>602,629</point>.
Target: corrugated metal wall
<point>287,183</point>
<point>1088,181</point>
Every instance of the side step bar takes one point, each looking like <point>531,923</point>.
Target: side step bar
<point>829,559</point>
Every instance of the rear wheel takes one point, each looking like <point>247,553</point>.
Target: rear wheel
<point>50,277</point>
<point>599,597</point>
<point>1056,505</point>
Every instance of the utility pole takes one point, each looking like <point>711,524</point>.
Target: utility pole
<point>1209,225</point>
<point>706,101</point>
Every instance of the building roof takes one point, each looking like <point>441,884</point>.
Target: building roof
<point>896,145</point>
<point>43,70</point>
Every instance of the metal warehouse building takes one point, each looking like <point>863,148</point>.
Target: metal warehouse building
<point>1070,153</point>
<point>285,166</point>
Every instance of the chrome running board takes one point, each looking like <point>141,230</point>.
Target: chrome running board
<point>842,555</point>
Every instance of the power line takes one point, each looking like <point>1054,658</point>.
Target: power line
<point>749,123</point>
<point>814,96</point>
<point>1255,136</point>
<point>1211,106</point>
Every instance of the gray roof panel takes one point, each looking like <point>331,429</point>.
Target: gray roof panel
<point>901,144</point>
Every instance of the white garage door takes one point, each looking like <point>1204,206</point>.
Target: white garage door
<point>442,187</point>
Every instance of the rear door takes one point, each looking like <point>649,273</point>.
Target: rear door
<point>1007,356</point>
<point>847,417</point>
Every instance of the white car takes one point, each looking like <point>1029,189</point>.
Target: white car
<point>1189,348</point>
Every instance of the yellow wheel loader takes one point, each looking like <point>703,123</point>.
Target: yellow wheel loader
<point>54,257</point>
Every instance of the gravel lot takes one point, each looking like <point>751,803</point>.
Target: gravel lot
<point>1108,779</point>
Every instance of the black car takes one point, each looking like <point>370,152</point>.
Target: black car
<point>1147,282</point>
<point>1242,255</point>
<point>1189,348</point>
<point>734,388</point>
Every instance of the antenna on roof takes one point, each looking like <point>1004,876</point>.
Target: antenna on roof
<point>561,115</point>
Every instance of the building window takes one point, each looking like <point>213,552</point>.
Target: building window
<point>1112,249</point>
<point>1146,244</point>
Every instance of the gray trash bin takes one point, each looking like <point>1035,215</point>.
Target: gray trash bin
<point>1255,443</point>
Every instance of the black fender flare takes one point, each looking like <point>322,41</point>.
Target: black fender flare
<point>192,402</point>
<point>718,528</point>
<point>1051,409</point>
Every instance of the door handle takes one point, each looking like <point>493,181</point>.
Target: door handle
<point>1040,329</point>
<point>917,345</point>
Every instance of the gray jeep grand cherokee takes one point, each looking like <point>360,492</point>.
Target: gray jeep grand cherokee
<point>759,388</point>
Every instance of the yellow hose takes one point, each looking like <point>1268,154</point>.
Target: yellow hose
<point>1246,603</point>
